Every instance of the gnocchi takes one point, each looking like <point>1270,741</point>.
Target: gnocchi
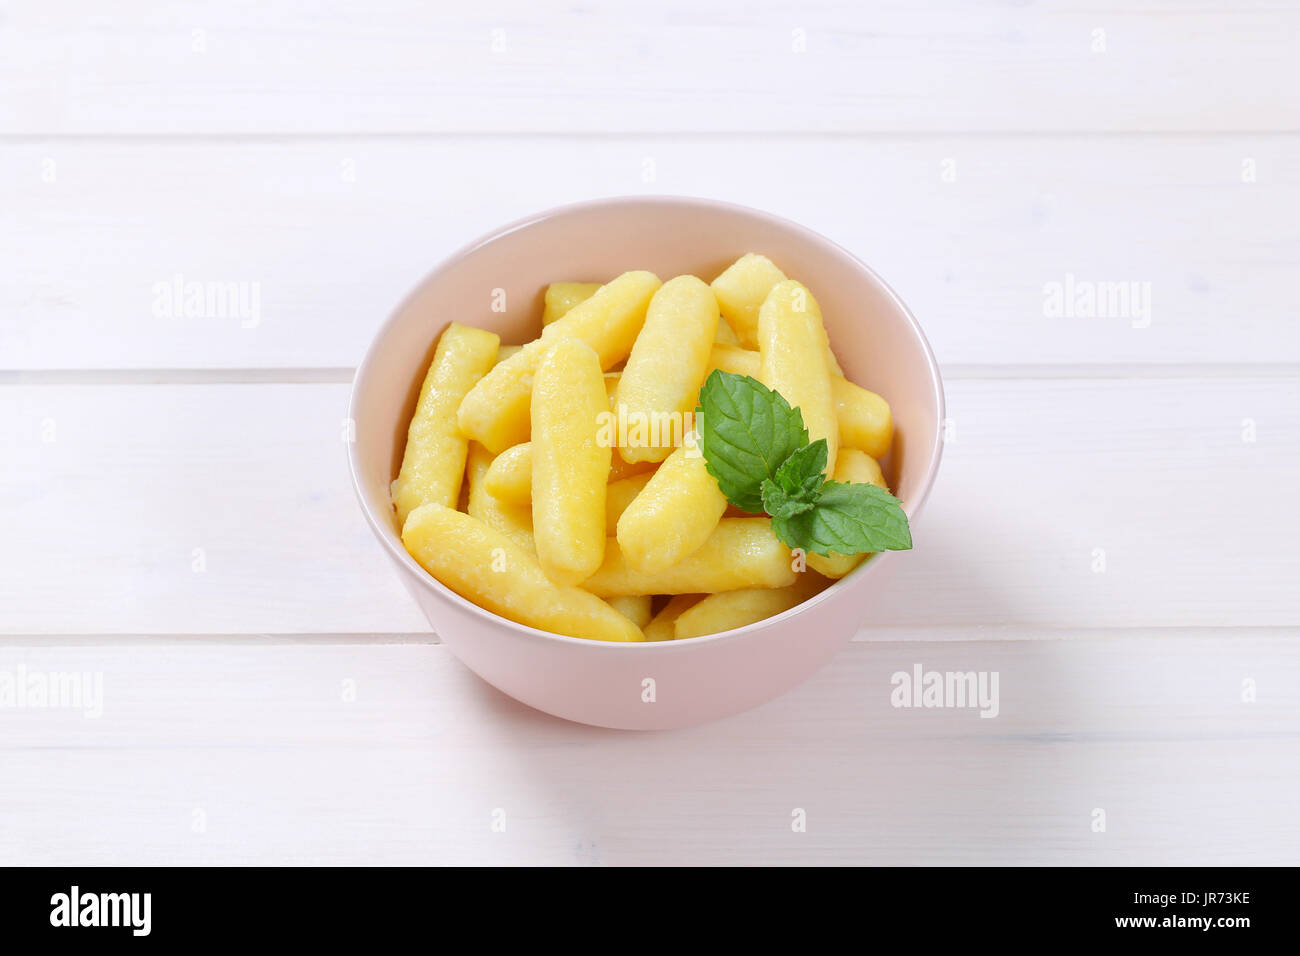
<point>516,491</point>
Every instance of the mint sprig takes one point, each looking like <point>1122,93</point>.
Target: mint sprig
<point>797,482</point>
<point>757,448</point>
<point>747,431</point>
<point>847,518</point>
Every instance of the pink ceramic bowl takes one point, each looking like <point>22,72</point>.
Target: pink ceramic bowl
<point>674,683</point>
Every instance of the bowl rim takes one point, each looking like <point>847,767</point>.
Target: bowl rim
<point>912,507</point>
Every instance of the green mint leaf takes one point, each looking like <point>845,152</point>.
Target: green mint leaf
<point>797,483</point>
<point>847,519</point>
<point>778,504</point>
<point>756,447</point>
<point>746,433</point>
<point>788,531</point>
<point>803,473</point>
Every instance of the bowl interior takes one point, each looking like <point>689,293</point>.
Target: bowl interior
<point>498,283</point>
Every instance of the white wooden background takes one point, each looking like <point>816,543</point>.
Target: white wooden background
<point>1113,530</point>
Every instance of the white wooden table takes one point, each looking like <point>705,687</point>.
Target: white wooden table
<point>1114,529</point>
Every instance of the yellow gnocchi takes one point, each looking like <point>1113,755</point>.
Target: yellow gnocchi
<point>527,487</point>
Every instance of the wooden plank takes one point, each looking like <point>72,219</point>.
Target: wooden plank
<point>403,66</point>
<point>232,755</point>
<point>205,509</point>
<point>326,237</point>
<point>1086,504</point>
<point>1110,504</point>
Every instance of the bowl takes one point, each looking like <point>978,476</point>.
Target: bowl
<point>668,684</point>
